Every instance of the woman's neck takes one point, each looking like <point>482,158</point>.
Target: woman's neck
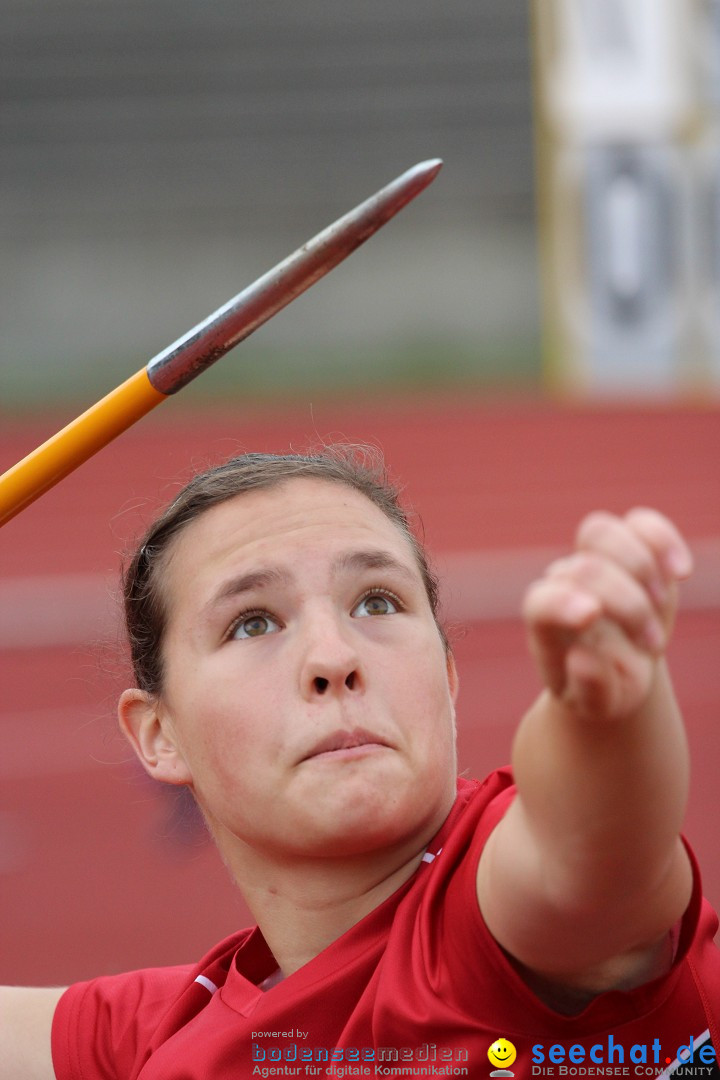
<point>302,906</point>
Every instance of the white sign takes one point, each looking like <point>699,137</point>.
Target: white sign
<point>616,69</point>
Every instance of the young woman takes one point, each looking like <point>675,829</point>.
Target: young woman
<point>291,671</point>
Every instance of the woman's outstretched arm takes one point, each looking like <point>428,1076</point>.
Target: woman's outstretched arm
<point>585,876</point>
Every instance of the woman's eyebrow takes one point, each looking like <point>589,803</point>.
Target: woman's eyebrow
<point>374,559</point>
<point>244,583</point>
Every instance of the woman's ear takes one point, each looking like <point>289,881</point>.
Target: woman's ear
<point>150,733</point>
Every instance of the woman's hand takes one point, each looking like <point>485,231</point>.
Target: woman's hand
<point>600,619</point>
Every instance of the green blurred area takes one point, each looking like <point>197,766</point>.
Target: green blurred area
<point>267,374</point>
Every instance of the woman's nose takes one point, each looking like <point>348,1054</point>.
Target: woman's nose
<point>331,663</point>
<point>321,683</point>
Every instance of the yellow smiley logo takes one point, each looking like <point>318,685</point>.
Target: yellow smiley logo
<point>502,1053</point>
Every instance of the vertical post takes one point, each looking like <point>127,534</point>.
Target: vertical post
<point>616,120</point>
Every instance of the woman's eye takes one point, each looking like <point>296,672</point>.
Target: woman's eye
<point>256,625</point>
<point>376,604</point>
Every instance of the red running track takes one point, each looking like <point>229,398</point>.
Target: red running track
<point>100,870</point>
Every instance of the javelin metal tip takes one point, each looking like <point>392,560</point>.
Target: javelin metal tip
<point>433,165</point>
<point>202,346</point>
<point>425,170</point>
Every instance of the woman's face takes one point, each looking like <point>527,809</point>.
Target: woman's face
<point>306,684</point>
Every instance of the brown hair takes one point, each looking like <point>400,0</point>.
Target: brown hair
<point>359,467</point>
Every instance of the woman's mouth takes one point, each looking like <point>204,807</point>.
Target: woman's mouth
<point>347,744</point>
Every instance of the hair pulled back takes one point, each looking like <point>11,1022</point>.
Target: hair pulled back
<point>358,467</point>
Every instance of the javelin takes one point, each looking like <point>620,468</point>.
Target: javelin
<point>193,353</point>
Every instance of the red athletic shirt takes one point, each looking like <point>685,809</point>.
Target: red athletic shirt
<point>417,988</point>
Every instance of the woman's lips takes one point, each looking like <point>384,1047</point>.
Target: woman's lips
<point>347,744</point>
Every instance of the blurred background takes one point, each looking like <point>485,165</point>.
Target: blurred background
<point>158,157</point>
<point>536,336</point>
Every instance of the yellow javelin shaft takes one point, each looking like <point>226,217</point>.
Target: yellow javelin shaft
<point>76,442</point>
